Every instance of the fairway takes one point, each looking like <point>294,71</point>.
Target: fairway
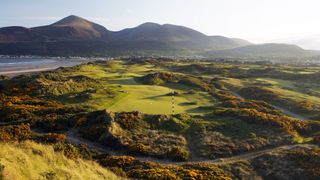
<point>157,99</point>
<point>131,95</point>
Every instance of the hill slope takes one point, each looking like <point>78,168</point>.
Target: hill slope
<point>19,34</point>
<point>242,42</point>
<point>73,28</point>
<point>172,35</point>
<point>262,50</point>
<point>74,35</point>
<point>34,161</point>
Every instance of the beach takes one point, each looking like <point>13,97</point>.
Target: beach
<point>17,66</point>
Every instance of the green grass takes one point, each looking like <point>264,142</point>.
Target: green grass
<point>131,95</point>
<point>155,99</point>
<point>299,139</point>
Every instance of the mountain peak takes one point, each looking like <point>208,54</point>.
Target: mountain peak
<point>73,28</point>
<point>72,20</point>
<point>150,25</point>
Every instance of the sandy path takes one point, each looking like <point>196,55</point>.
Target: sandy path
<point>73,138</point>
<point>283,110</point>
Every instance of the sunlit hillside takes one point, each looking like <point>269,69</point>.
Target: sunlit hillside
<point>34,161</point>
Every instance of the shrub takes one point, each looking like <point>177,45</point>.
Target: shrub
<point>196,82</point>
<point>173,125</point>
<point>15,133</point>
<point>117,161</point>
<point>267,95</point>
<point>128,120</point>
<point>257,117</point>
<point>139,148</point>
<point>178,154</point>
<point>118,171</point>
<point>52,138</point>
<point>2,77</point>
<point>68,150</point>
<point>160,78</point>
<point>156,173</point>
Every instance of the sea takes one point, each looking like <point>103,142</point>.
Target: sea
<point>16,66</point>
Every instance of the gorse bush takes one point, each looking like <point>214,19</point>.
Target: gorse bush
<point>147,170</point>
<point>49,84</point>
<point>51,138</point>
<point>136,133</point>
<point>255,116</point>
<point>259,93</point>
<point>161,78</point>
<point>15,133</point>
<point>68,150</point>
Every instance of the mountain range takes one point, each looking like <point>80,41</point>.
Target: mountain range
<point>74,35</point>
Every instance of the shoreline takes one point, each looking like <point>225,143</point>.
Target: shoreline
<point>19,72</point>
<point>37,65</point>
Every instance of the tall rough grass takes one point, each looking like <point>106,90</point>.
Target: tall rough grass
<point>29,160</point>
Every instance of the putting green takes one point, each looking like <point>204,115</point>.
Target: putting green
<point>157,99</point>
<point>134,96</point>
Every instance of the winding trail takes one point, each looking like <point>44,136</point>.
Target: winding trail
<point>13,123</point>
<point>289,113</point>
<point>73,138</point>
<point>283,110</point>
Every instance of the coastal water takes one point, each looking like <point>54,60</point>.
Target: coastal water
<point>24,61</point>
<point>17,66</point>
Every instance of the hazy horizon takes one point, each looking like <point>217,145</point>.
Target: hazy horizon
<point>256,21</point>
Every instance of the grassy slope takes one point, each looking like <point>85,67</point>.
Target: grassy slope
<point>154,99</point>
<point>223,134</point>
<point>286,89</point>
<point>34,161</point>
<point>132,95</point>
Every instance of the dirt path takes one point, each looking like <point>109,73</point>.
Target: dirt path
<point>13,123</point>
<point>252,155</point>
<point>73,137</point>
<point>289,113</point>
<point>283,110</point>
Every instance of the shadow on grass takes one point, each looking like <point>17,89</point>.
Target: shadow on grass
<point>178,86</point>
<point>126,81</point>
<point>163,95</point>
<point>73,98</point>
<point>200,109</point>
<point>155,97</point>
<point>187,103</point>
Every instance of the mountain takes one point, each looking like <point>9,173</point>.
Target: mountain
<point>172,36</point>
<point>74,35</point>
<point>73,28</point>
<point>241,42</point>
<point>308,42</point>
<point>19,34</point>
<point>221,42</point>
<point>262,50</point>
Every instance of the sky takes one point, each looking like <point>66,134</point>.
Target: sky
<point>259,21</point>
